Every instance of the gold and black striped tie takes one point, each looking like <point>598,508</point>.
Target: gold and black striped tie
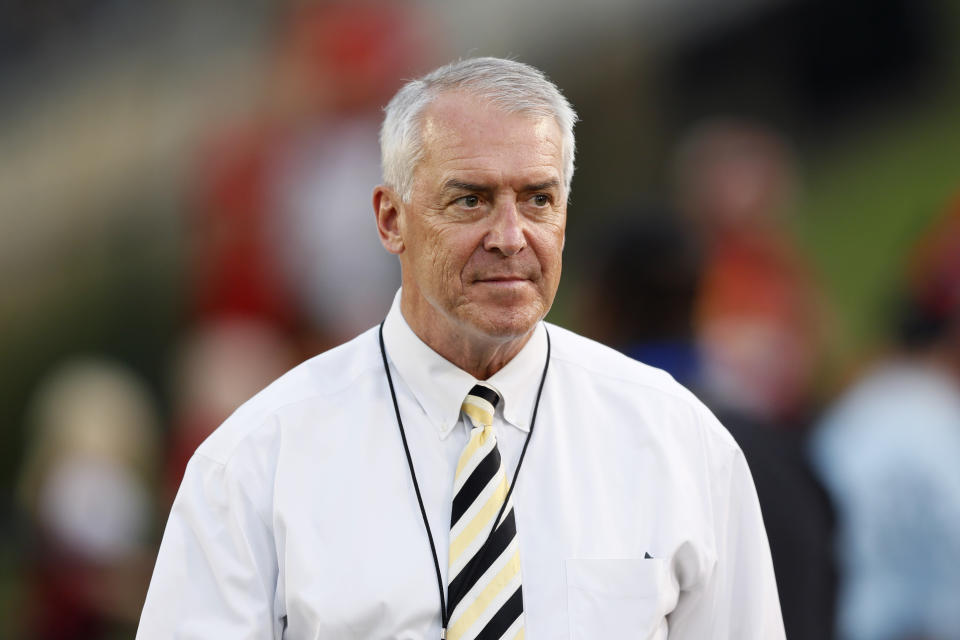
<point>484,593</point>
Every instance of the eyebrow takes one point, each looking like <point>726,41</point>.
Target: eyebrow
<point>460,185</point>
<point>543,186</point>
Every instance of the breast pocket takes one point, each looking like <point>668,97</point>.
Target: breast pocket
<point>619,598</point>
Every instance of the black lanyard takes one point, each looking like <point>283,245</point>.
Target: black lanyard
<point>444,614</point>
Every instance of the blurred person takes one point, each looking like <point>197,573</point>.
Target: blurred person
<point>759,324</point>
<point>640,296</point>
<point>364,494</point>
<point>359,53</point>
<point>888,451</point>
<point>87,488</point>
<point>281,232</point>
<point>643,275</point>
<point>759,318</point>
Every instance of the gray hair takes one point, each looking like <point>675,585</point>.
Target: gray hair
<point>509,85</point>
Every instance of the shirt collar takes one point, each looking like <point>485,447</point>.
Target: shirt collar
<point>439,386</point>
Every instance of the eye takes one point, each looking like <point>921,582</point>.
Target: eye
<point>541,199</point>
<point>470,202</point>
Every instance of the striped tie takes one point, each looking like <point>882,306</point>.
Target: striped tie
<point>485,598</point>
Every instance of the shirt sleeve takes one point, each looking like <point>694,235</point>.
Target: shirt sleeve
<point>736,599</point>
<point>216,570</point>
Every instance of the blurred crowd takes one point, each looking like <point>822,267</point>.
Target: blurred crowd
<point>858,474</point>
<point>859,485</point>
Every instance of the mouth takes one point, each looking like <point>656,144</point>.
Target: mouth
<point>501,280</point>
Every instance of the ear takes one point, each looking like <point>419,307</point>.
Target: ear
<point>386,207</point>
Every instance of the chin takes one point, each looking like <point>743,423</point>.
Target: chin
<point>507,324</point>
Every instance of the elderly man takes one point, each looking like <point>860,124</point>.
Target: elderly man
<point>466,470</point>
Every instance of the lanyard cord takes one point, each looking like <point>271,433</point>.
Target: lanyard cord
<point>444,614</point>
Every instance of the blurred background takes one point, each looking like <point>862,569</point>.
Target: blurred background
<point>767,205</point>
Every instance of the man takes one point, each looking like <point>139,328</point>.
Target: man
<point>466,471</point>
<point>887,452</point>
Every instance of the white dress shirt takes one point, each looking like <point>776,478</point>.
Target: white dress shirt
<point>636,513</point>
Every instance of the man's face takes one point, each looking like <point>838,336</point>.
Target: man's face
<point>483,232</point>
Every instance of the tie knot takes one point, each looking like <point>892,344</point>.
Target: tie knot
<point>480,404</point>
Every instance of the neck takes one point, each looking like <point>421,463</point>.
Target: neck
<point>479,355</point>
<point>483,362</point>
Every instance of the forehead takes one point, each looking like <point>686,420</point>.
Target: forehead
<point>465,133</point>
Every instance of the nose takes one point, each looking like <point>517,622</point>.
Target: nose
<point>507,232</point>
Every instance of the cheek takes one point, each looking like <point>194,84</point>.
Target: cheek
<point>549,248</point>
<point>449,253</point>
